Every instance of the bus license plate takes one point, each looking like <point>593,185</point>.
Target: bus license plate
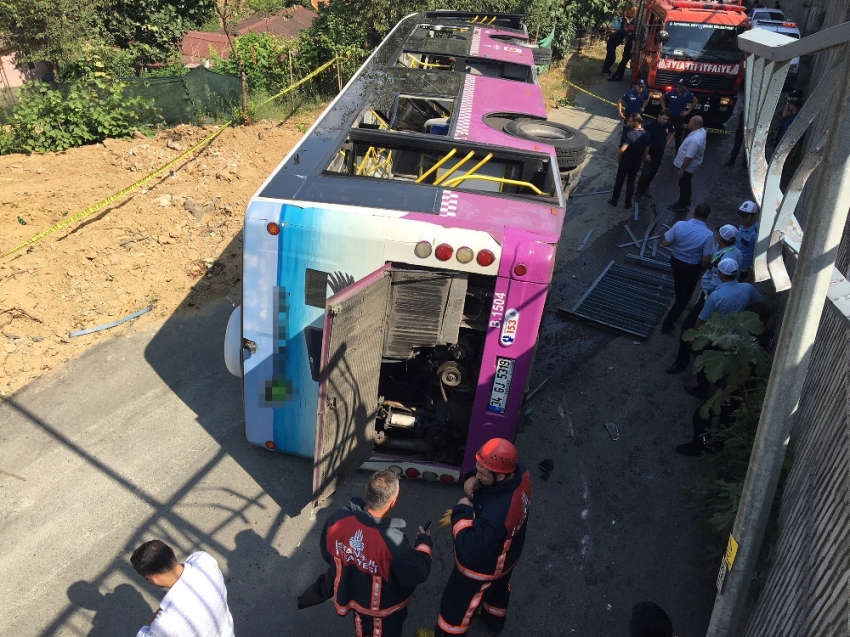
<point>501,384</point>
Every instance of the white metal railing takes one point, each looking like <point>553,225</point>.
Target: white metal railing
<point>767,68</point>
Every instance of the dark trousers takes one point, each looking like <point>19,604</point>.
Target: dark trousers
<point>683,358</point>
<point>685,279</point>
<point>621,68</point>
<point>368,626</point>
<point>610,58</point>
<point>650,169</point>
<point>627,172</point>
<point>678,122</point>
<point>739,139</point>
<point>725,418</point>
<point>685,189</point>
<point>462,597</point>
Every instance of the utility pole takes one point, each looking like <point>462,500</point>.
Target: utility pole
<point>824,227</point>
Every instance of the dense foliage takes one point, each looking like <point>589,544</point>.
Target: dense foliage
<point>49,118</point>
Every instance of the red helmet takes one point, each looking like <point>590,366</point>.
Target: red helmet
<point>497,455</point>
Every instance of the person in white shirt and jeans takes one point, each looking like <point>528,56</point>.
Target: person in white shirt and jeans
<point>688,160</point>
<point>196,602</point>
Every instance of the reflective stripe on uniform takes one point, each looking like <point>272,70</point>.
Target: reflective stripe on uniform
<point>423,548</point>
<point>481,577</point>
<point>376,592</point>
<point>460,525</point>
<point>495,610</point>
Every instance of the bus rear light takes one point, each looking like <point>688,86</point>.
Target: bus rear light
<point>464,254</point>
<point>444,252</point>
<point>395,469</point>
<point>422,249</point>
<point>270,445</point>
<point>273,228</point>
<point>520,270</point>
<point>447,478</point>
<point>412,472</point>
<point>429,476</point>
<point>485,258</point>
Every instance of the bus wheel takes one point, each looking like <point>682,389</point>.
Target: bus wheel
<point>570,144</point>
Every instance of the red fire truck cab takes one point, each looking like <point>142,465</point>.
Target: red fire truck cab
<point>695,42</point>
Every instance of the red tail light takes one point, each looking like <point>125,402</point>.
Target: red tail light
<point>412,473</point>
<point>485,258</point>
<point>447,479</point>
<point>270,444</point>
<point>444,252</point>
<point>273,228</point>
<point>520,270</point>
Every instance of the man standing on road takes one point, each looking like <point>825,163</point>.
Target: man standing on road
<point>747,235</point>
<point>488,526</point>
<point>730,295</point>
<point>710,280</point>
<point>196,601</point>
<point>628,47</point>
<point>373,569</point>
<point>681,102</point>
<point>660,135</point>
<point>614,40</point>
<point>688,160</point>
<point>632,103</point>
<point>737,120</point>
<point>693,245</point>
<point>629,159</point>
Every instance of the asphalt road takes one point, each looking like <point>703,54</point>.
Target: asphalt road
<point>143,438</point>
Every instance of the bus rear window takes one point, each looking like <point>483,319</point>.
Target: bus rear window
<point>392,156</point>
<point>473,66</point>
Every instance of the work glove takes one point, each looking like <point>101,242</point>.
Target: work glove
<point>446,520</point>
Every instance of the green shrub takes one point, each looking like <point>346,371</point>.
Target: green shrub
<point>263,57</point>
<point>50,119</point>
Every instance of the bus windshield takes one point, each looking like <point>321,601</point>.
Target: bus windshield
<point>702,41</point>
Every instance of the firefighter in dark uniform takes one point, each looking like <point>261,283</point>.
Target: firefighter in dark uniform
<point>681,103</point>
<point>488,527</point>
<point>373,569</point>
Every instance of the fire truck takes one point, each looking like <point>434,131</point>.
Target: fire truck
<point>695,42</point>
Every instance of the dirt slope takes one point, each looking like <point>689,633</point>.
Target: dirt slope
<point>151,247</point>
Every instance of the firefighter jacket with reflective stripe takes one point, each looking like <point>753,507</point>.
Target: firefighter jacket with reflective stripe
<point>374,568</point>
<point>488,544</point>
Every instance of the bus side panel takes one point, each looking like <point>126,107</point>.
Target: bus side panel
<point>259,274</point>
<point>281,390</point>
<point>521,302</point>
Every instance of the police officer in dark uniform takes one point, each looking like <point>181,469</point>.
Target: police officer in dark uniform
<point>681,102</point>
<point>660,135</point>
<point>629,158</point>
<point>373,569</point>
<point>614,40</point>
<point>631,103</point>
<point>488,526</point>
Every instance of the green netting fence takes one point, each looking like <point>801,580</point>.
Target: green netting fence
<point>190,98</point>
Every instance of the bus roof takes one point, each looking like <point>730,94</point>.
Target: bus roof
<point>381,89</point>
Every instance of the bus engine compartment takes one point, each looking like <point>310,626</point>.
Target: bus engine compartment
<point>434,339</point>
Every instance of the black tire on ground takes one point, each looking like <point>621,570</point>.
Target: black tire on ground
<point>568,141</point>
<point>567,162</point>
<point>541,56</point>
<point>570,179</point>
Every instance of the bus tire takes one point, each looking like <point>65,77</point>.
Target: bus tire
<point>569,143</point>
<point>571,160</point>
<point>541,55</point>
<point>570,179</point>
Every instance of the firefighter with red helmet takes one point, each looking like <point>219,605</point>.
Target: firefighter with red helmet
<point>488,527</point>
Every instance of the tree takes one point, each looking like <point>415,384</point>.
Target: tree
<point>227,10</point>
<point>53,31</point>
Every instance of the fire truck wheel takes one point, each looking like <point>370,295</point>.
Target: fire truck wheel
<point>569,143</point>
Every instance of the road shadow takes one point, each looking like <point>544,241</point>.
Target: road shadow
<point>111,609</point>
<point>188,355</point>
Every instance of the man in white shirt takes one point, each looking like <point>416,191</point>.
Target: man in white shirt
<point>196,602</point>
<point>688,160</point>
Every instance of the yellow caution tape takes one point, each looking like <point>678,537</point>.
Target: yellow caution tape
<point>113,198</point>
<point>576,86</point>
<point>602,99</point>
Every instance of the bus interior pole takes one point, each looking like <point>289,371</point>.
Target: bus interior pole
<point>824,226</point>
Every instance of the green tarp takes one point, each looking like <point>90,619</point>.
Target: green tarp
<point>189,98</point>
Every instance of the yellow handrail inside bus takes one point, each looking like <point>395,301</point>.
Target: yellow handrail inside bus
<point>475,19</point>
<point>493,20</point>
<point>429,65</point>
<point>379,118</point>
<point>472,170</point>
<point>448,156</point>
<point>512,182</point>
<point>469,156</point>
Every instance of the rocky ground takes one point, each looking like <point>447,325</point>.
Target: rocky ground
<point>149,248</point>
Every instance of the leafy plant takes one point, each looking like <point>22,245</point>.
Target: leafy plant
<point>263,57</point>
<point>52,119</point>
